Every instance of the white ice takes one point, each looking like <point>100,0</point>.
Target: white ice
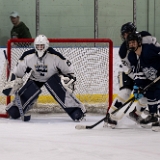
<point>54,137</point>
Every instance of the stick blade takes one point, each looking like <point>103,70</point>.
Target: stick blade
<point>79,126</point>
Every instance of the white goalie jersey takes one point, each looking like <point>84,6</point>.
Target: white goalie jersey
<point>43,68</point>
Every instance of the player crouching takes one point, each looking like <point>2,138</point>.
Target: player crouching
<point>46,67</point>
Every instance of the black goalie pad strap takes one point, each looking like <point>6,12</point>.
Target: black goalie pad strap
<point>63,97</point>
<point>28,94</point>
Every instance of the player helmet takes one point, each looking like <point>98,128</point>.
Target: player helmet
<point>41,44</point>
<point>128,28</point>
<point>134,37</point>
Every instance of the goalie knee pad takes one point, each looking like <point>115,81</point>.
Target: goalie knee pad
<point>67,101</point>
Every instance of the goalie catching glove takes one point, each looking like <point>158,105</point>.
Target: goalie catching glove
<point>68,81</point>
<point>12,85</point>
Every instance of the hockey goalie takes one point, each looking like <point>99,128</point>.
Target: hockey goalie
<point>48,68</point>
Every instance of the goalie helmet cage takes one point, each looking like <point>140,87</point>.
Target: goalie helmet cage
<point>92,60</point>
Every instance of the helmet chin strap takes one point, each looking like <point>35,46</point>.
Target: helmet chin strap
<point>139,45</point>
<point>136,48</point>
<point>133,49</point>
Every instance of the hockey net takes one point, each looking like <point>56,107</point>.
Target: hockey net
<point>93,66</point>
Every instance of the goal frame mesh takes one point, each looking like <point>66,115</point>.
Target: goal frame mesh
<point>69,40</point>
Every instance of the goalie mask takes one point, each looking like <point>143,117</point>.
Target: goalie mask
<point>41,44</point>
<point>134,40</point>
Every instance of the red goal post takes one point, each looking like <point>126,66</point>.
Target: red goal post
<point>91,42</point>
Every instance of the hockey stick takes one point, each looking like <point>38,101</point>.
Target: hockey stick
<point>125,111</point>
<point>24,117</point>
<point>130,100</point>
<point>5,55</point>
<point>92,126</point>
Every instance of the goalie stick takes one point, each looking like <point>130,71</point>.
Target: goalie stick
<point>24,117</point>
<point>130,100</point>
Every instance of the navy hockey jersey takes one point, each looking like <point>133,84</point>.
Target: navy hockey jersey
<point>147,38</point>
<point>146,67</point>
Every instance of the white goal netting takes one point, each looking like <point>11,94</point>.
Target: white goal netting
<point>92,61</point>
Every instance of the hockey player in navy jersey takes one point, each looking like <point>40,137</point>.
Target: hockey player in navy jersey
<point>48,68</point>
<point>125,77</point>
<point>146,68</point>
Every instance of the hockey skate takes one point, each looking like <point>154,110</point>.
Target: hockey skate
<point>134,116</point>
<point>109,122</point>
<point>149,119</point>
<point>156,126</point>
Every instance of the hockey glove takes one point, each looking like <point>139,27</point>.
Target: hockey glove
<point>137,91</point>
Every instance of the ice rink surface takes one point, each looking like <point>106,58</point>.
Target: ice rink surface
<point>54,137</point>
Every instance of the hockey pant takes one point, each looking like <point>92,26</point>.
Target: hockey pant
<point>28,95</point>
<point>125,81</point>
<point>66,100</point>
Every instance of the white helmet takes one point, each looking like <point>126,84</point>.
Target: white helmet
<point>41,44</point>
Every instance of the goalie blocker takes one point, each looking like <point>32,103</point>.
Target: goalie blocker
<point>30,91</point>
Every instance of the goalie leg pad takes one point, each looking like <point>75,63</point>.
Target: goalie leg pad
<point>67,101</point>
<point>28,95</point>
<point>15,114</point>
